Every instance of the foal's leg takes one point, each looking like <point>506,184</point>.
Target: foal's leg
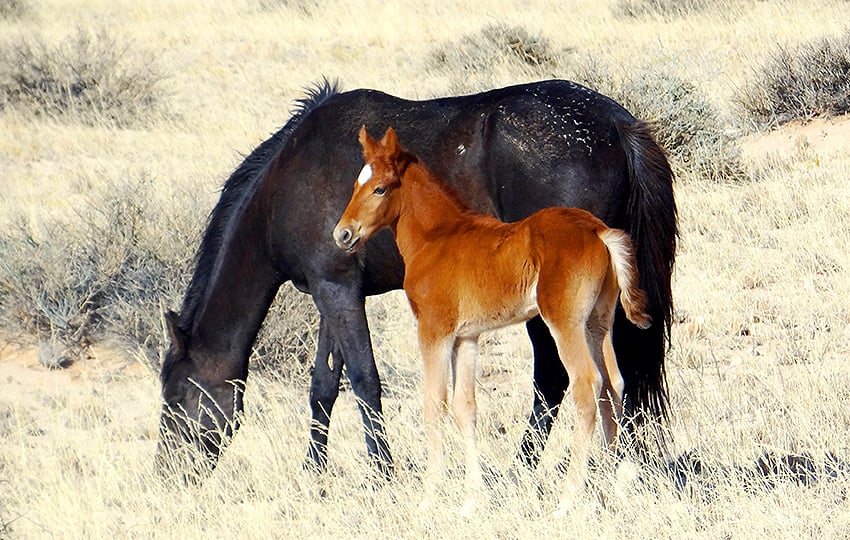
<point>436,357</point>
<point>611,404</point>
<point>550,386</point>
<point>586,385</point>
<point>611,392</point>
<point>464,409</point>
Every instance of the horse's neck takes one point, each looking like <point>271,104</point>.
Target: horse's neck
<point>239,289</point>
<point>428,210</point>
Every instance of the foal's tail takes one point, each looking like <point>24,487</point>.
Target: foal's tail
<point>634,299</point>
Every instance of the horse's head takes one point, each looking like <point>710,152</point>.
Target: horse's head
<point>197,417</point>
<point>373,204</point>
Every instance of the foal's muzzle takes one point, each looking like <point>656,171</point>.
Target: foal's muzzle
<point>348,237</point>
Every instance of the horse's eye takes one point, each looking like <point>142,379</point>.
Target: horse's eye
<point>380,190</point>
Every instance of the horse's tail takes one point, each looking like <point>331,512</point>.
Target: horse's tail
<point>651,222</point>
<point>632,297</point>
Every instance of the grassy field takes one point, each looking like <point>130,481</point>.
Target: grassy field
<point>104,195</point>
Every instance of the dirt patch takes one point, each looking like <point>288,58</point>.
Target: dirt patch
<point>823,137</point>
<point>20,368</point>
<point>107,378</point>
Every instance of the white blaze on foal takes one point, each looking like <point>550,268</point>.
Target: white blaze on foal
<point>365,174</point>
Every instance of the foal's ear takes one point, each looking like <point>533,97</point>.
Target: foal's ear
<point>367,142</point>
<point>390,143</point>
<point>175,334</point>
<point>397,154</point>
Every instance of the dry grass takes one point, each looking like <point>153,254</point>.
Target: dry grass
<point>99,220</point>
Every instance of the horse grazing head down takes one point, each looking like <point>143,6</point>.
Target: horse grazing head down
<point>198,416</point>
<point>373,205</point>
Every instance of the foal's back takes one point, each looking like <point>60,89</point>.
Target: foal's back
<point>485,274</point>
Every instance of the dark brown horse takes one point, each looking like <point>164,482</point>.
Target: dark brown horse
<point>509,152</point>
<point>466,273</point>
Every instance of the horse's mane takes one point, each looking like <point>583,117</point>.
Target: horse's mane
<point>251,171</point>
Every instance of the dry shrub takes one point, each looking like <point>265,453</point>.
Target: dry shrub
<point>106,273</point>
<point>110,271</point>
<point>493,46</point>
<point>662,8</point>
<point>686,124</point>
<point>301,7</point>
<point>288,339</point>
<point>799,83</point>
<point>14,9</point>
<point>88,76</point>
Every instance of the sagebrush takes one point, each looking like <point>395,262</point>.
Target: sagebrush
<point>89,76</point>
<point>799,82</point>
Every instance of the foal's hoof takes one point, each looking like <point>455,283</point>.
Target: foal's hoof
<point>425,506</point>
<point>469,507</point>
<point>565,507</point>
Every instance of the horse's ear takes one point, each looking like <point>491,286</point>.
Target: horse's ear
<point>175,334</point>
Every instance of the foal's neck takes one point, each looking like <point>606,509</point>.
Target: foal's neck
<point>429,210</point>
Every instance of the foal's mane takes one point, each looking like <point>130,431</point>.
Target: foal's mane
<point>408,159</point>
<point>251,171</point>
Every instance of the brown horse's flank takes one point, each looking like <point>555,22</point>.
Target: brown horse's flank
<point>466,273</point>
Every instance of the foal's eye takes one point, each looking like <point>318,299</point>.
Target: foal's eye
<point>380,190</point>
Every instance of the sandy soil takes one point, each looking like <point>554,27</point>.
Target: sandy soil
<point>826,137</point>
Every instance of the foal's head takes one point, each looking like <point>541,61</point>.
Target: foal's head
<point>374,204</point>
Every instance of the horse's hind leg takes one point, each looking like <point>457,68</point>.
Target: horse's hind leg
<point>464,409</point>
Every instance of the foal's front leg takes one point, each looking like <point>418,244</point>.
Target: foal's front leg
<point>436,356</point>
<point>464,409</point>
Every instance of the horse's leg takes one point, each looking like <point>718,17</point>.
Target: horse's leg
<point>344,311</point>
<point>464,409</point>
<point>436,358</point>
<point>550,386</point>
<point>324,389</point>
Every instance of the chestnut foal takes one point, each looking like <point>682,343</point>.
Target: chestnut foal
<point>466,273</point>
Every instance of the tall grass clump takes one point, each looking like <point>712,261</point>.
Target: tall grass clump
<point>90,77</point>
<point>799,83</point>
